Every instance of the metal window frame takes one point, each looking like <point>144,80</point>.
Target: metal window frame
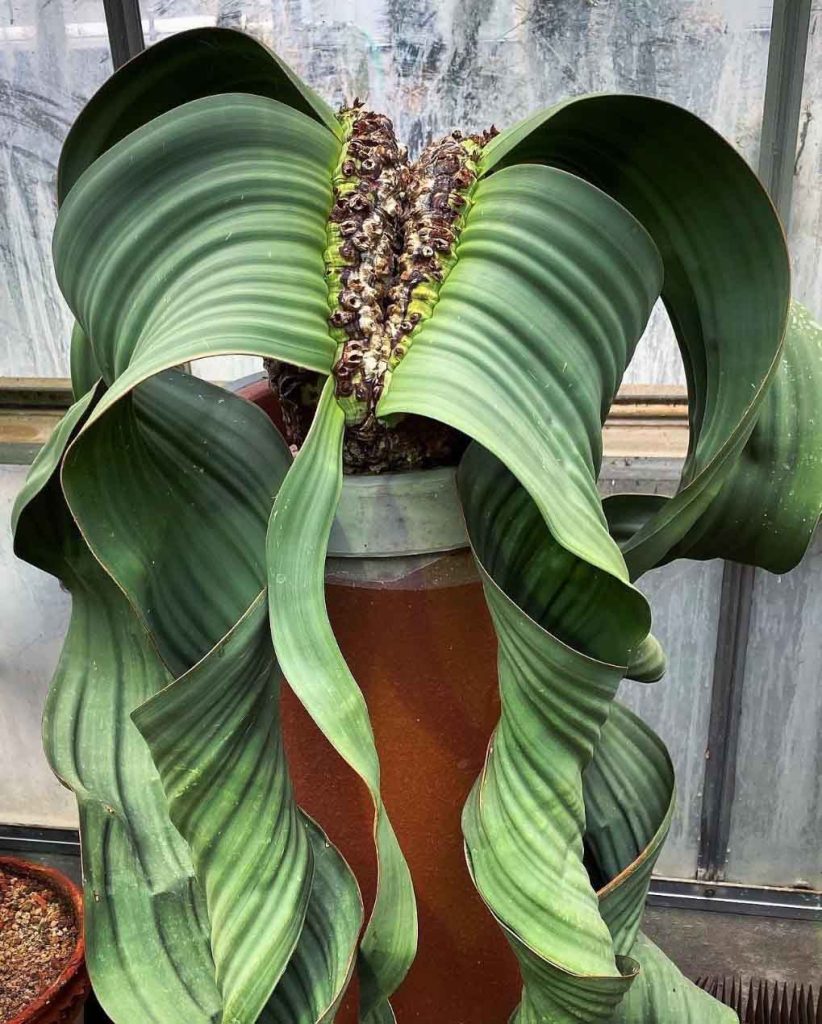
<point>37,841</point>
<point>787,52</point>
<point>125,30</point>
<point>679,893</point>
<point>731,898</point>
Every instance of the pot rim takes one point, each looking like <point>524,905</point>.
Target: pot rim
<point>412,513</point>
<point>62,884</point>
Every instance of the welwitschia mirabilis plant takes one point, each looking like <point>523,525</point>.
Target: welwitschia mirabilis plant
<point>213,204</point>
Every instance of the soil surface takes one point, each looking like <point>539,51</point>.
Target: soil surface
<point>38,934</point>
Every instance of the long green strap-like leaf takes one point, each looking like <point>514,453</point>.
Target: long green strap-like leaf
<point>769,503</point>
<point>316,670</point>
<point>566,766</point>
<point>215,738</point>
<point>218,210</point>
<point>525,819</point>
<point>529,339</point>
<point>146,929</point>
<point>726,284</point>
<point>492,360</point>
<point>186,66</point>
<point>202,233</point>
<point>197,472</point>
<point>629,789</point>
<point>527,343</point>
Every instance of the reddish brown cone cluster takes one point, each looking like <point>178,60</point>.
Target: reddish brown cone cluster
<point>364,234</point>
<point>392,237</point>
<point>437,198</point>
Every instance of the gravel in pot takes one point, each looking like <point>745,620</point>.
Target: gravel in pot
<point>42,971</point>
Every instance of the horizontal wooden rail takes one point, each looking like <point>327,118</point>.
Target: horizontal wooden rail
<point>645,422</point>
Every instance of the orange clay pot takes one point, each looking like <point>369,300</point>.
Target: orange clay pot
<point>422,649</point>
<point>62,1001</point>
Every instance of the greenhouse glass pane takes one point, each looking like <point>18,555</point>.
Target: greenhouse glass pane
<point>777,811</point>
<point>776,819</point>
<point>53,56</point>
<point>34,611</point>
<point>806,212</point>
<point>684,599</point>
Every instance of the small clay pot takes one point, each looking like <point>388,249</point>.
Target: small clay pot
<point>62,1001</point>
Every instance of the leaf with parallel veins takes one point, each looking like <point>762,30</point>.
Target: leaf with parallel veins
<point>184,67</point>
<point>146,934</point>
<point>317,672</point>
<point>211,203</point>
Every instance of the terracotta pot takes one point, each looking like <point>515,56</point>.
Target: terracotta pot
<point>417,636</point>
<point>62,1001</point>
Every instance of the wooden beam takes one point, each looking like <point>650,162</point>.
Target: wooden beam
<point>645,421</point>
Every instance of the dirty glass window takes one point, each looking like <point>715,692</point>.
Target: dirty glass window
<point>53,55</point>
<point>429,64</point>
<point>806,212</point>
<point>777,809</point>
<point>776,817</point>
<point>684,597</point>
